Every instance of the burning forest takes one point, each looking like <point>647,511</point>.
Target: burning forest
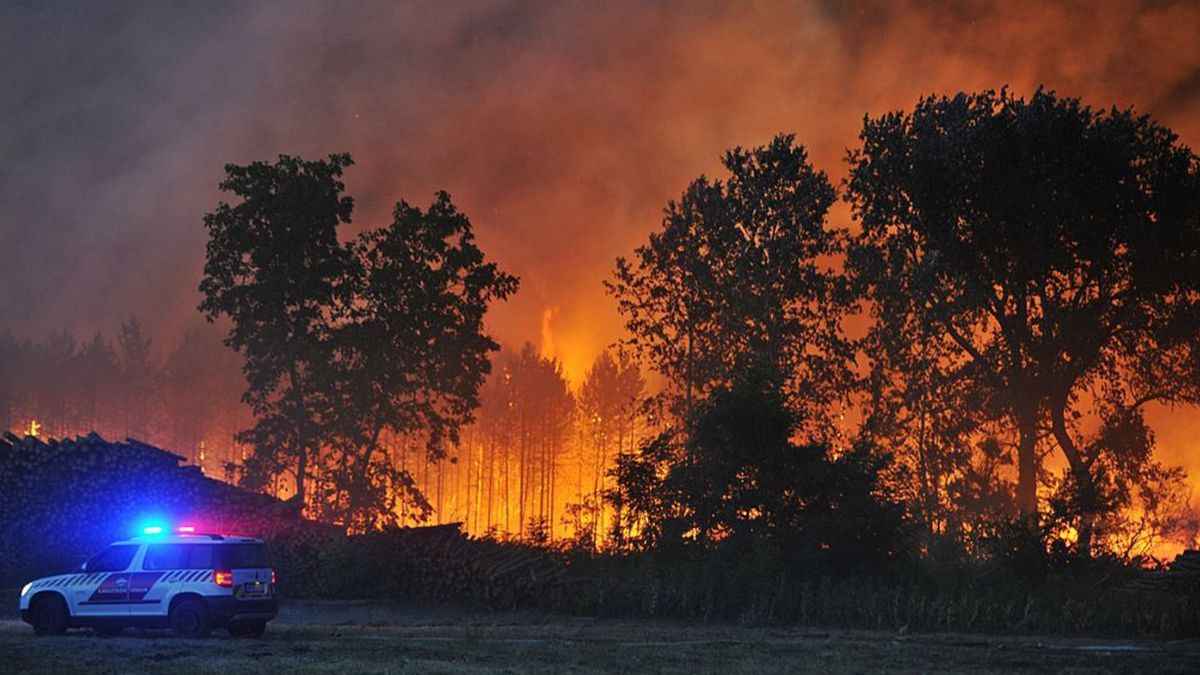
<point>370,391</point>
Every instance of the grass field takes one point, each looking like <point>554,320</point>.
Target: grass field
<point>369,637</point>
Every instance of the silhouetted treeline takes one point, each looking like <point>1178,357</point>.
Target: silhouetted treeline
<point>536,462</point>
<point>1028,272</point>
<point>184,396</point>
<point>962,374</point>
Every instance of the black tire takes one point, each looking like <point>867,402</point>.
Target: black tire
<point>49,615</point>
<point>253,629</point>
<point>189,619</point>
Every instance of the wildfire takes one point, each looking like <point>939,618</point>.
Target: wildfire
<point>574,354</point>
<point>35,428</point>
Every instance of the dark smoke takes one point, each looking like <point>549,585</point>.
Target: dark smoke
<point>560,127</point>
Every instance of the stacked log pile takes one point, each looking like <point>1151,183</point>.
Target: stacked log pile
<point>62,500</point>
<point>1181,574</point>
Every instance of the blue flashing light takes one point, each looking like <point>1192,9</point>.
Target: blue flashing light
<point>152,529</point>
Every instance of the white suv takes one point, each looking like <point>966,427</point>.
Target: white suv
<point>189,582</point>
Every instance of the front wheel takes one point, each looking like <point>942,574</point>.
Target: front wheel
<point>189,619</point>
<point>49,616</point>
<point>253,629</point>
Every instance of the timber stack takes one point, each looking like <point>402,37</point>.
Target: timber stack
<point>62,500</point>
<point>1181,574</point>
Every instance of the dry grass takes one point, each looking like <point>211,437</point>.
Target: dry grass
<point>369,637</point>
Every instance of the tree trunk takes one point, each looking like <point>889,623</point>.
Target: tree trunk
<point>1027,502</point>
<point>301,471</point>
<point>301,437</point>
<point>1081,472</point>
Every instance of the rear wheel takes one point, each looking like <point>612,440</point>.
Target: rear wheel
<point>253,629</point>
<point>49,615</point>
<point>189,619</point>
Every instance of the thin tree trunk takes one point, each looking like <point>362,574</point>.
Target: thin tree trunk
<point>1027,463</point>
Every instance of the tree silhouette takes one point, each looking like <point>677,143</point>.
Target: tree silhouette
<point>522,431</point>
<point>412,346</point>
<point>96,371</point>
<point>344,342</point>
<point>740,478</point>
<point>275,267</point>
<point>609,400</point>
<point>739,276</point>
<point>137,384</point>
<point>1046,252</point>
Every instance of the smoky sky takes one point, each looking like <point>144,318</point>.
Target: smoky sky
<point>560,128</point>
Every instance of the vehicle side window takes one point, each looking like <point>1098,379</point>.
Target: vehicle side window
<point>242,556</point>
<point>199,557</point>
<point>112,559</point>
<point>164,557</point>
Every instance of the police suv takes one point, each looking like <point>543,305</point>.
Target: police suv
<point>186,581</point>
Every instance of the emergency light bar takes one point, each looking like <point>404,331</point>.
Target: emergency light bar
<point>156,528</point>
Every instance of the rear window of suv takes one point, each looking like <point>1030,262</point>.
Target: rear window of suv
<point>205,556</point>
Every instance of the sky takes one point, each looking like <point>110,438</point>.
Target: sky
<point>560,128</point>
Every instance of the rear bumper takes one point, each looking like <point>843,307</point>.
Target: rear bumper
<point>225,610</point>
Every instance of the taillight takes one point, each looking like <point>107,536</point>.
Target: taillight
<point>223,578</point>
<point>272,575</point>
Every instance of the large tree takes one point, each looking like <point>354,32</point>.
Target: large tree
<point>412,347</point>
<point>346,341</point>
<point>740,276</point>
<point>276,268</point>
<point>1046,253</point>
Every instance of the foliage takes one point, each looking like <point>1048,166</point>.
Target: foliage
<point>412,351</point>
<point>738,276</point>
<point>1036,259</point>
<point>764,590</point>
<point>739,481</point>
<point>276,269</point>
<point>343,342</point>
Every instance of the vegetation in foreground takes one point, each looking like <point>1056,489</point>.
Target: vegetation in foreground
<point>374,637</point>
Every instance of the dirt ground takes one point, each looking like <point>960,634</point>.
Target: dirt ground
<point>374,637</point>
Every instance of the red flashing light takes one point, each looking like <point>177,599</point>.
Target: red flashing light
<point>223,578</point>
<point>186,529</point>
<point>272,575</point>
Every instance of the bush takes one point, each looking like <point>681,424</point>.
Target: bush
<point>757,588</point>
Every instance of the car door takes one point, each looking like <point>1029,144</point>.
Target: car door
<point>104,589</point>
<point>151,588</point>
